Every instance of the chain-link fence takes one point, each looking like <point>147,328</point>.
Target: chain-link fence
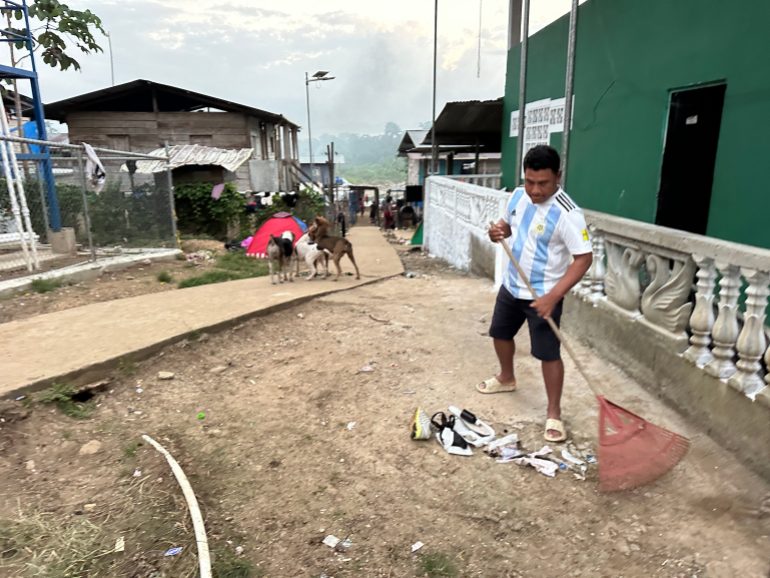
<point>77,217</point>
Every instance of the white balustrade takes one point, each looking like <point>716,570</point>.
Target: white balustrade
<point>752,342</point>
<point>718,335</point>
<point>767,364</point>
<point>621,284</point>
<point>665,300</point>
<point>726,328</point>
<point>598,268</point>
<point>702,318</point>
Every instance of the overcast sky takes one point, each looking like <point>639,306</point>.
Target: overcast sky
<point>256,52</point>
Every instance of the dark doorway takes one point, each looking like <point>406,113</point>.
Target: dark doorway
<point>690,151</point>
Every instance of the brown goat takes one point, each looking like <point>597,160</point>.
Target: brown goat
<point>336,246</point>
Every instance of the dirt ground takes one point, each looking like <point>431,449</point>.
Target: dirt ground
<point>285,440</point>
<point>138,279</point>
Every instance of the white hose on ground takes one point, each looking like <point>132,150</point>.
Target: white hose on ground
<point>204,560</point>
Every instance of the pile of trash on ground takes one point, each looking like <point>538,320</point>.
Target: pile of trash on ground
<point>459,431</point>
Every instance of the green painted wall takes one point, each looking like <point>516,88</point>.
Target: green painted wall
<point>630,55</point>
<point>457,167</point>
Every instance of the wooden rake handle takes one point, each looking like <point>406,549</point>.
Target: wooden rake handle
<point>551,322</point>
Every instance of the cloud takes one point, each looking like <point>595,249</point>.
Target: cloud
<point>257,52</point>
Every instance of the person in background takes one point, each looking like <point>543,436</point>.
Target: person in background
<point>341,221</point>
<point>387,213</point>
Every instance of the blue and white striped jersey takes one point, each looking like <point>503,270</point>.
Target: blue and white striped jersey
<point>544,238</point>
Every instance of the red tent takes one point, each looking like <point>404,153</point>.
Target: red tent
<point>275,225</point>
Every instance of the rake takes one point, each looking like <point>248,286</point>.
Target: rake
<point>632,451</point>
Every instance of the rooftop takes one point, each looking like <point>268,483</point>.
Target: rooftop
<point>148,96</point>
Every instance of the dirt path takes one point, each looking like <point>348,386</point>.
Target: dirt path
<point>139,279</point>
<point>297,443</point>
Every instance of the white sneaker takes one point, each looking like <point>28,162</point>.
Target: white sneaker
<point>421,426</point>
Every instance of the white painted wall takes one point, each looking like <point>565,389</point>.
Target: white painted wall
<point>457,215</point>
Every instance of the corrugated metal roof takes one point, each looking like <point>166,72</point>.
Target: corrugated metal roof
<point>145,95</point>
<point>411,139</point>
<point>468,121</point>
<point>417,136</point>
<point>182,155</point>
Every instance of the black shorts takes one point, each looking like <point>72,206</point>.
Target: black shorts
<point>510,314</point>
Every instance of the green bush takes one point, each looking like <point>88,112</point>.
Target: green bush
<point>45,285</point>
<point>309,204</point>
<point>198,213</point>
<point>165,277</point>
<point>139,219</point>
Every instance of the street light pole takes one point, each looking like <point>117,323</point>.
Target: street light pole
<point>309,132</point>
<point>433,143</point>
<point>522,96</point>
<point>568,90</point>
<point>320,75</point>
<point>112,65</point>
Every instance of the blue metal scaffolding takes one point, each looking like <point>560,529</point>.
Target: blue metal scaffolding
<point>42,157</point>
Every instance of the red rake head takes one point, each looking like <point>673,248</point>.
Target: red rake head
<point>633,452</point>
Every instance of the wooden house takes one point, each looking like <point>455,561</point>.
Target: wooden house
<point>141,116</point>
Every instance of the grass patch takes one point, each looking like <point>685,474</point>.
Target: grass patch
<point>127,367</point>
<point>227,565</point>
<point>63,396</point>
<point>45,285</point>
<point>208,278</point>
<point>239,262</point>
<point>129,450</point>
<point>42,545</point>
<point>228,267</point>
<point>165,277</point>
<point>438,565</point>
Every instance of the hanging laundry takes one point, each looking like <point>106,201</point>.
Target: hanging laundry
<point>95,173</point>
<point>216,192</point>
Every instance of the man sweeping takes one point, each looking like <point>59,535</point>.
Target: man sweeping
<point>549,238</point>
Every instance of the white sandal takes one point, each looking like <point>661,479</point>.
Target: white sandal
<point>472,429</point>
<point>447,437</point>
<point>556,425</point>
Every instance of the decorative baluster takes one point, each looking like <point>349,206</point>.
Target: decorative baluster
<point>598,267</point>
<point>584,287</point>
<point>764,395</point>
<point>751,341</point>
<point>702,318</point>
<point>767,364</point>
<point>725,330</point>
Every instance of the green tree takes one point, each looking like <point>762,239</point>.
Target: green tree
<point>392,129</point>
<point>56,29</point>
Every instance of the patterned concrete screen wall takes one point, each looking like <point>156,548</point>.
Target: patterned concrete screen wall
<point>457,216</point>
